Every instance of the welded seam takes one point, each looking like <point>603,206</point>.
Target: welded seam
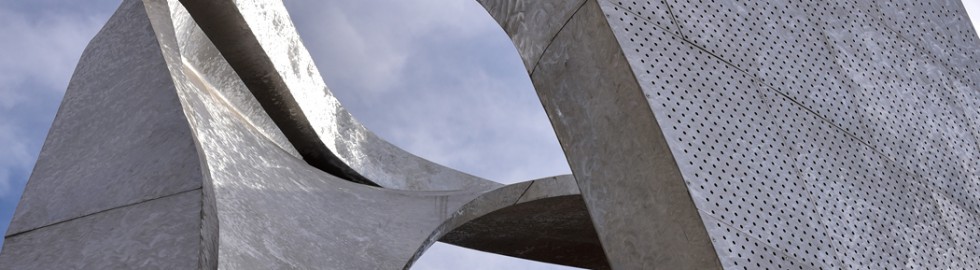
<point>917,176</point>
<point>761,83</point>
<point>670,11</point>
<point>786,254</point>
<point>524,192</point>
<point>103,211</point>
<point>208,233</point>
<point>552,40</point>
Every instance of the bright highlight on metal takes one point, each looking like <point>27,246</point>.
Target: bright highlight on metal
<point>721,134</point>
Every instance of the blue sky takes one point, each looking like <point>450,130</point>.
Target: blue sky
<point>436,77</point>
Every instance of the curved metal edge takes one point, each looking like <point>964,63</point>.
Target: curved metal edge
<point>632,186</point>
<point>543,192</point>
<point>275,210</point>
<point>90,147</point>
<point>260,42</point>
<point>531,24</point>
<point>125,118</point>
<point>161,15</point>
<point>552,203</point>
<point>235,40</point>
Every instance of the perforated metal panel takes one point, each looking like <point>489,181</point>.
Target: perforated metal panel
<point>818,134</point>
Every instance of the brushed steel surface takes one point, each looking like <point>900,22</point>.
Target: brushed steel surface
<point>816,135</point>
<point>702,135</point>
<point>160,233</point>
<point>256,201</point>
<point>261,43</point>
<point>629,180</point>
<point>120,131</point>
<point>542,220</point>
<point>276,211</point>
<point>809,134</point>
<point>531,24</point>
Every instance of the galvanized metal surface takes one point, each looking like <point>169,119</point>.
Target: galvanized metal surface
<point>256,202</point>
<point>703,135</point>
<point>633,188</point>
<point>542,220</point>
<point>819,130</point>
<point>262,45</point>
<point>97,133</point>
<point>809,134</point>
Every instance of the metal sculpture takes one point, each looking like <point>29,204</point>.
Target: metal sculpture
<point>702,135</point>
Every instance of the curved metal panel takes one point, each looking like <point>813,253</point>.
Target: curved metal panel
<point>531,24</point>
<point>120,130</point>
<point>805,133</point>
<point>261,44</point>
<point>258,203</point>
<point>543,220</point>
<point>729,134</point>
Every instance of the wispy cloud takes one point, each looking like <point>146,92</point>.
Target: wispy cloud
<point>441,80</point>
<point>40,53</point>
<point>16,156</point>
<point>973,9</point>
<point>373,38</point>
<point>438,78</point>
<point>40,46</point>
<point>435,77</point>
<point>452,258</point>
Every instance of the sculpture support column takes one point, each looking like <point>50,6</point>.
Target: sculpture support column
<point>632,186</point>
<point>797,135</point>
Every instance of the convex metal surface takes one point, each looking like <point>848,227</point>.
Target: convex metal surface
<point>701,135</point>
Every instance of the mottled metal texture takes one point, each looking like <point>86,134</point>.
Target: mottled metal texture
<point>262,45</point>
<point>118,182</point>
<point>531,24</point>
<point>628,178</point>
<point>128,139</point>
<point>543,220</point>
<point>153,94</point>
<point>721,134</point>
<point>806,134</point>
<point>156,234</point>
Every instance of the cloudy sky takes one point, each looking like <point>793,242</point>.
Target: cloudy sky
<point>436,77</point>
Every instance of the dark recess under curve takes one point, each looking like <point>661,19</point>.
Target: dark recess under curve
<point>234,39</point>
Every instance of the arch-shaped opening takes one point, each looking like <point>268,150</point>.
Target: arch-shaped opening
<point>453,90</point>
<point>465,258</point>
<point>438,79</point>
<point>543,220</point>
<point>282,91</point>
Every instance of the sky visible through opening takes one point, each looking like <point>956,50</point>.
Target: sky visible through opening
<point>438,78</point>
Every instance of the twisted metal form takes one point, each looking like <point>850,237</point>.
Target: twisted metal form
<point>701,134</point>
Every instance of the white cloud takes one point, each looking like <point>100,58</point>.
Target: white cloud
<point>441,80</point>
<point>40,51</point>
<point>382,58</point>
<point>973,9</point>
<point>453,258</point>
<point>424,73</point>
<point>372,39</point>
<point>15,156</point>
<point>480,129</point>
<point>42,47</point>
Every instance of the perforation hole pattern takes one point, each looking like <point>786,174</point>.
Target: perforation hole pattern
<point>818,134</point>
